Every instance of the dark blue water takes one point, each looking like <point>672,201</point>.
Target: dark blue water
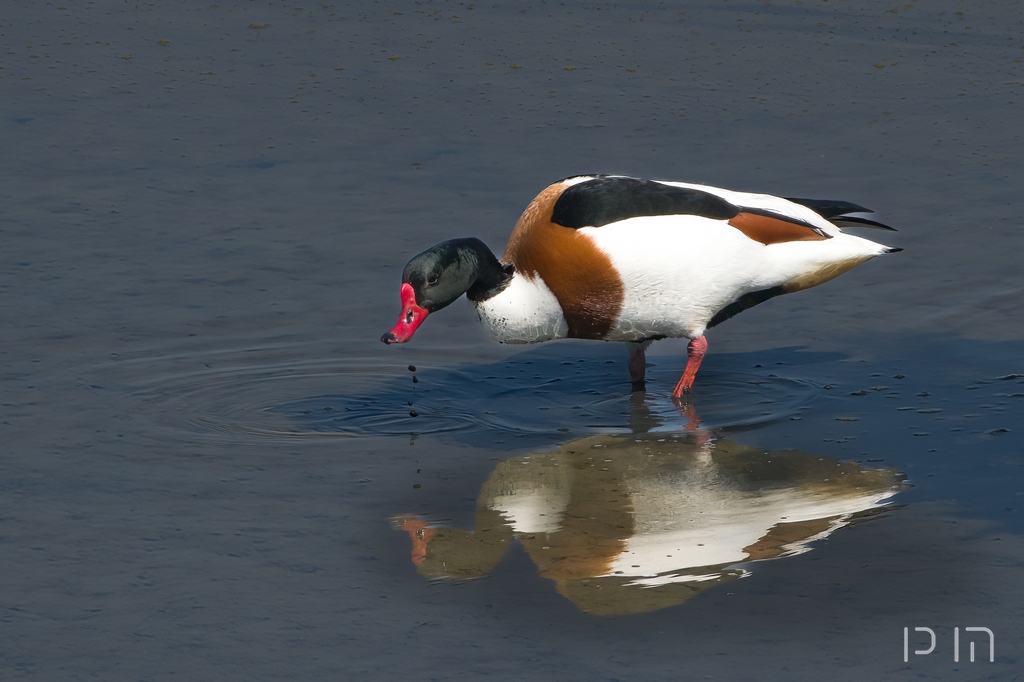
<point>212,468</point>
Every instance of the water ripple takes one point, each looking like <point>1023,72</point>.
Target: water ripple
<point>268,394</point>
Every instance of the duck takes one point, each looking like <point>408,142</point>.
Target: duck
<point>618,258</point>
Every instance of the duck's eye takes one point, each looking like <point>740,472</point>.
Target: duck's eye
<point>432,279</point>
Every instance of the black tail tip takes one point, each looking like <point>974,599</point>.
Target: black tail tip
<point>893,249</point>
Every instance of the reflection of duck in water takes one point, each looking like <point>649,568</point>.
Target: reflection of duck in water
<point>623,259</point>
<point>625,524</point>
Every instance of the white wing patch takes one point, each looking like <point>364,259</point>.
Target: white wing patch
<point>679,270</point>
<point>765,202</point>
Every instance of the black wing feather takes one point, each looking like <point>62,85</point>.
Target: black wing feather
<point>830,208</point>
<point>607,199</point>
<point>855,221</point>
<point>836,212</point>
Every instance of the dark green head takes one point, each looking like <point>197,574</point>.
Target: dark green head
<point>437,277</point>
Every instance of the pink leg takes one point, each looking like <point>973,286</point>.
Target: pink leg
<point>637,367</point>
<point>695,351</point>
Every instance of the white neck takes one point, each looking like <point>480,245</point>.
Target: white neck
<point>524,312</point>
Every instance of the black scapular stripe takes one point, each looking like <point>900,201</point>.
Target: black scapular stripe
<point>743,303</point>
<point>605,200</point>
<point>857,221</point>
<point>830,208</point>
<point>836,212</point>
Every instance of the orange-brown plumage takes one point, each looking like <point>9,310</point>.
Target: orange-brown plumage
<point>770,230</point>
<point>581,276</point>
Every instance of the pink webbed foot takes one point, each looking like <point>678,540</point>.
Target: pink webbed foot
<point>695,351</point>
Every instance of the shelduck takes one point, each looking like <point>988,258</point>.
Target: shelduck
<point>623,259</point>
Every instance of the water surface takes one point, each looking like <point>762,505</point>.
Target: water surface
<point>211,467</point>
